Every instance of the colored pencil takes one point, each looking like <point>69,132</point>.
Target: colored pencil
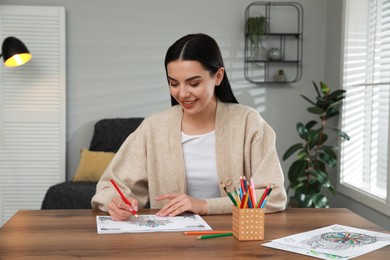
<point>253,191</point>
<point>124,198</point>
<point>263,196</point>
<point>266,198</point>
<point>246,201</point>
<point>251,203</point>
<point>245,184</point>
<point>237,196</point>
<point>229,194</point>
<point>215,235</point>
<point>206,232</point>
<point>242,186</point>
<point>264,202</point>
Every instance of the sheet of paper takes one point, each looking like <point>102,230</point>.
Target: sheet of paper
<point>151,223</point>
<point>332,242</point>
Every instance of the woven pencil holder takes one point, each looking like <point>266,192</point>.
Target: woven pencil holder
<point>248,224</point>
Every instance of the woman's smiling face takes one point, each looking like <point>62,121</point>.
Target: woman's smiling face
<point>193,86</point>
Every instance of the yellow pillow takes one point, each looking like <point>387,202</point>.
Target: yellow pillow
<point>92,165</point>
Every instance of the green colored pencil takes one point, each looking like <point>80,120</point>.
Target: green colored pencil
<point>215,235</point>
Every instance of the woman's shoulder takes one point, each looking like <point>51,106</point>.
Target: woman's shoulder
<point>163,117</point>
<point>165,113</point>
<point>238,110</point>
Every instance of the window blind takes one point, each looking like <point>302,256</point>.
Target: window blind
<point>365,116</point>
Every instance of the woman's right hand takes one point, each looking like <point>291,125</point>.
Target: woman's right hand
<point>119,210</point>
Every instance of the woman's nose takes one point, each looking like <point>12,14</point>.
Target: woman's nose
<point>183,92</point>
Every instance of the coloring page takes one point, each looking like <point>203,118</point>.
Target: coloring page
<point>333,242</point>
<point>151,223</point>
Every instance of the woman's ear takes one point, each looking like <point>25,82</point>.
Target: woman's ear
<point>219,76</point>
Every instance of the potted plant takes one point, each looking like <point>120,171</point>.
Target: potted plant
<point>256,27</point>
<point>308,174</point>
<point>280,76</point>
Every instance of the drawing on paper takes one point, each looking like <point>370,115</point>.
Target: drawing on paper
<point>348,238</point>
<point>151,223</point>
<point>339,241</point>
<point>333,242</point>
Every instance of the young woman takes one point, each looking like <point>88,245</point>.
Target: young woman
<point>177,158</point>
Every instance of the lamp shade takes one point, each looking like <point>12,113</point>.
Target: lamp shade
<point>14,52</point>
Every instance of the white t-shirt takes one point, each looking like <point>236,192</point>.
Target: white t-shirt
<point>200,165</point>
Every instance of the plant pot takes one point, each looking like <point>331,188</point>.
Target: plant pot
<point>280,78</point>
<point>292,203</point>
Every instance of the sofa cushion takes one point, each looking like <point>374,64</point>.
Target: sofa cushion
<point>109,134</point>
<point>69,195</point>
<point>92,165</point>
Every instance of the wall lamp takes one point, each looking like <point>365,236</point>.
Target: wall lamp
<point>14,52</point>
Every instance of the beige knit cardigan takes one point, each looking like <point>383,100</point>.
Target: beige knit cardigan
<point>150,162</point>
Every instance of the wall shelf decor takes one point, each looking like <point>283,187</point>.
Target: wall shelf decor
<point>273,42</point>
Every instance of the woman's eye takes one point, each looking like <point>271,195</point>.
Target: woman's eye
<point>194,84</point>
<point>173,84</point>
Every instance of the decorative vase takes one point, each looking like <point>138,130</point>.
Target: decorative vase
<point>274,54</point>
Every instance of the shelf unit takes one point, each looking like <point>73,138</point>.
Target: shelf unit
<point>283,30</point>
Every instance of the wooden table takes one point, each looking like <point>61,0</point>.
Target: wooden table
<point>56,234</point>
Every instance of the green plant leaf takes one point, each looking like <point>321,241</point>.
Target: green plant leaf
<point>338,94</point>
<point>316,110</point>
<point>320,165</point>
<point>320,201</point>
<point>312,139</point>
<point>324,138</point>
<point>340,133</point>
<point>310,124</point>
<point>323,102</point>
<point>297,168</point>
<point>324,88</point>
<point>256,25</point>
<point>303,200</point>
<point>331,162</point>
<point>302,131</point>
<point>296,185</point>
<point>290,151</point>
<point>331,189</point>
<point>331,112</point>
<point>321,177</point>
<point>309,100</point>
<point>329,151</point>
<point>315,188</point>
<point>302,155</point>
<point>335,103</point>
<point>316,88</point>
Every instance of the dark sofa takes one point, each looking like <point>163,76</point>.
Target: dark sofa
<point>108,136</point>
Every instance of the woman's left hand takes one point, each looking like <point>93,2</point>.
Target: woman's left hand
<point>179,203</point>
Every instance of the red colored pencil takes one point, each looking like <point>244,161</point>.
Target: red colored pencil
<point>124,198</point>
<point>264,195</point>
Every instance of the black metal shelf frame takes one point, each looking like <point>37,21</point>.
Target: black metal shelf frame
<point>287,41</point>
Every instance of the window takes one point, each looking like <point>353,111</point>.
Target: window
<point>365,118</point>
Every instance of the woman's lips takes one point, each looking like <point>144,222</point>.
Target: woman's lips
<point>188,104</point>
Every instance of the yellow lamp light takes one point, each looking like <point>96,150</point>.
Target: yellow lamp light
<point>14,52</point>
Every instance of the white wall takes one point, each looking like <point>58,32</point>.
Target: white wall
<point>115,52</point>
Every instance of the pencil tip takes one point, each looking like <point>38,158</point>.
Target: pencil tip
<point>199,238</point>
